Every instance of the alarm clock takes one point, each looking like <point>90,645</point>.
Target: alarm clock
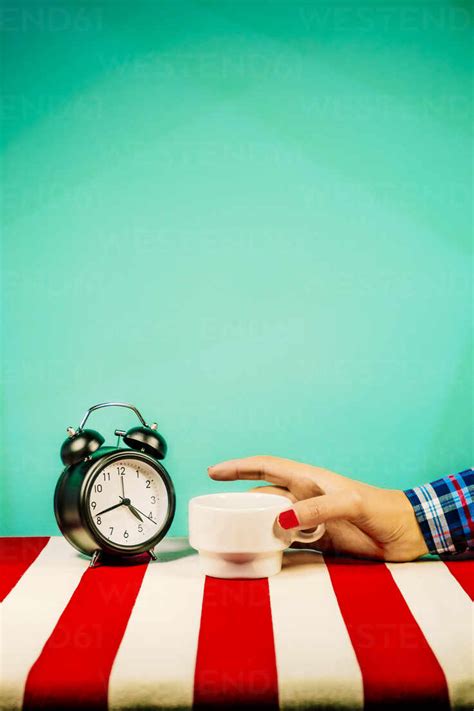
<point>116,501</point>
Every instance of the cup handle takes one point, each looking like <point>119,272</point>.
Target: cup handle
<point>306,537</point>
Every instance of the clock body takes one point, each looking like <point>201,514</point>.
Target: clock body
<point>117,501</point>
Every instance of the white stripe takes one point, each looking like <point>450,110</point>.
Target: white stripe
<point>444,613</point>
<point>30,613</point>
<point>154,667</point>
<point>316,662</point>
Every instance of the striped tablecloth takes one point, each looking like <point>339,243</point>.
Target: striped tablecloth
<point>324,633</point>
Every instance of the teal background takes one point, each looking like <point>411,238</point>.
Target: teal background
<point>250,219</point>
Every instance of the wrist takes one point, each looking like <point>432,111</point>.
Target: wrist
<point>413,544</point>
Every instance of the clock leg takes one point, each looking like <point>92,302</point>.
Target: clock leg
<point>152,554</point>
<point>94,559</point>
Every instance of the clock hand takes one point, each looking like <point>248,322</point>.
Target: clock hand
<point>150,519</point>
<point>132,508</point>
<point>123,485</point>
<point>109,509</point>
<point>135,512</point>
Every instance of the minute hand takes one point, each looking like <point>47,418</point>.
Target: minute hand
<point>150,519</point>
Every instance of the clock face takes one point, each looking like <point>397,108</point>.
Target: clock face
<point>128,502</point>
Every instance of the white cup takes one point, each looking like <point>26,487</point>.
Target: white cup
<point>237,534</point>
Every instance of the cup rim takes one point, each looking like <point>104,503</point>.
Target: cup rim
<point>199,501</point>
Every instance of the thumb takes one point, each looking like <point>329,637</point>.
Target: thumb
<point>309,513</point>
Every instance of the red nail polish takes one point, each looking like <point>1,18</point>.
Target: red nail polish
<point>288,519</point>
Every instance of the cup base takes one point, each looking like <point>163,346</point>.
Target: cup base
<point>240,565</point>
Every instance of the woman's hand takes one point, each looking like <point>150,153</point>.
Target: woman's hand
<point>361,520</point>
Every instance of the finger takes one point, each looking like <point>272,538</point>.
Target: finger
<point>319,509</point>
<point>278,490</point>
<point>272,469</point>
<point>304,480</point>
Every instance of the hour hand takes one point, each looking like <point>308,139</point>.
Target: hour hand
<point>135,512</point>
<point>111,508</point>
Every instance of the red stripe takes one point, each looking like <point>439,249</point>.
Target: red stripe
<point>465,507</point>
<point>236,665</point>
<point>463,571</point>
<point>73,669</point>
<point>397,664</point>
<point>16,556</point>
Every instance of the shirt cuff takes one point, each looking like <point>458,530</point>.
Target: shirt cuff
<point>444,510</point>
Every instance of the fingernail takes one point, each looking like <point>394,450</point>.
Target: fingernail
<point>288,519</point>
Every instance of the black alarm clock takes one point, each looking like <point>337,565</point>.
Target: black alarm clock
<point>116,501</point>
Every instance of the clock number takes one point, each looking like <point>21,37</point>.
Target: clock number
<point>151,515</point>
<point>121,471</point>
<point>125,534</point>
<point>98,488</point>
<point>148,482</point>
<point>138,473</point>
<point>93,504</point>
<point>99,520</point>
<point>111,529</point>
<point>140,528</point>
<point>153,499</point>
<point>106,476</point>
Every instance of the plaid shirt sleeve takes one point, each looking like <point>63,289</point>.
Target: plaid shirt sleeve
<point>444,509</point>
